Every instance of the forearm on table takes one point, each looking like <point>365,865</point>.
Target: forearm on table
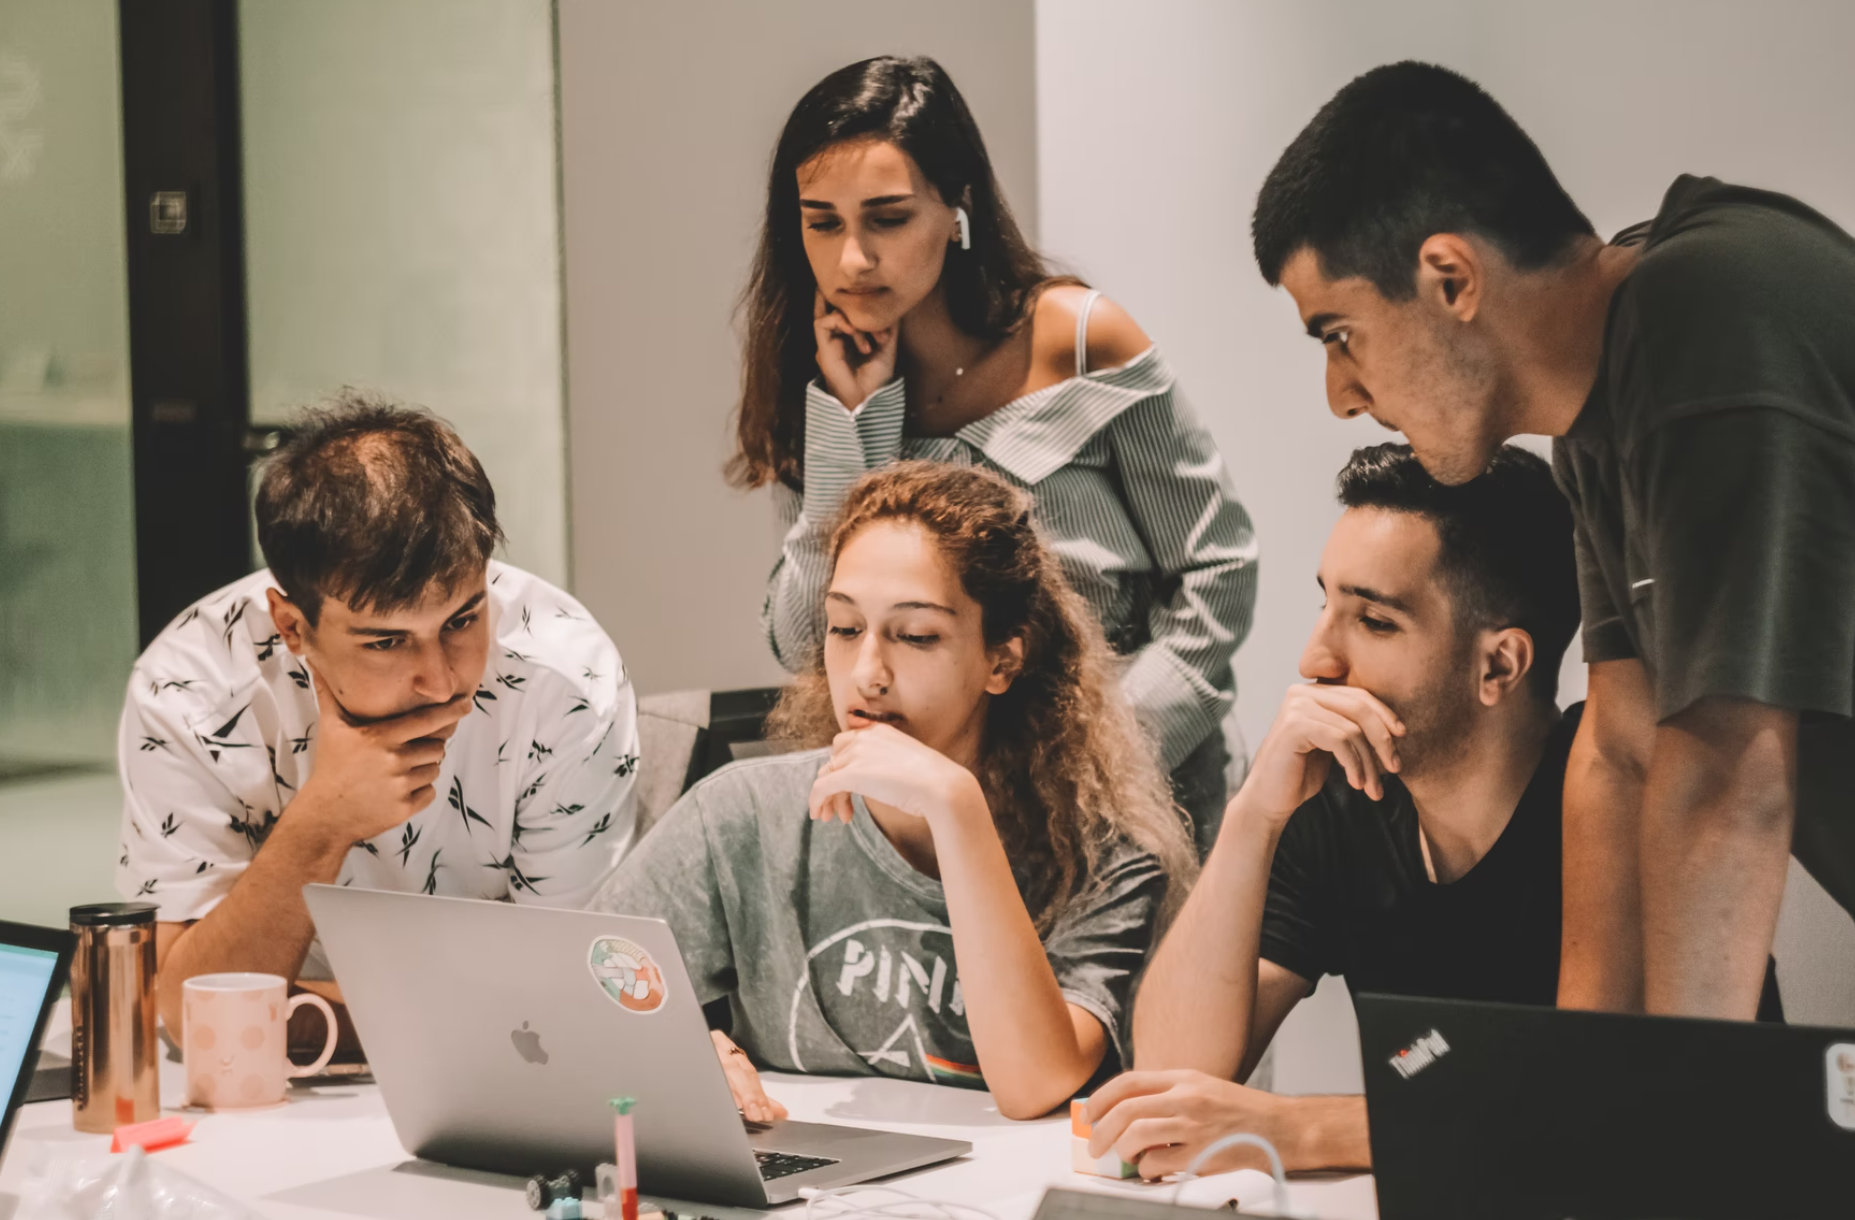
<point>1600,961</point>
<point>1718,809</point>
<point>1323,1133</point>
<point>262,925</point>
<point>1198,1001</point>
<point>1030,1045</point>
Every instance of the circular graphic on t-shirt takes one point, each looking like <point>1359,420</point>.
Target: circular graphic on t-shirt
<point>895,998</point>
<point>626,973</point>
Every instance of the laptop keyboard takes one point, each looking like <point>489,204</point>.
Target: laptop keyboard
<point>785,1164</point>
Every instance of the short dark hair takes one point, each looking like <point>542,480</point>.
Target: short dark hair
<point>1403,152</point>
<point>1506,539</point>
<point>373,502</point>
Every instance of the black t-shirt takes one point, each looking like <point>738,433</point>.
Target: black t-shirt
<point>1348,895</point>
<point>1712,479</point>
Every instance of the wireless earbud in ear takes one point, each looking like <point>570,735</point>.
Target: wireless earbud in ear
<point>963,228</point>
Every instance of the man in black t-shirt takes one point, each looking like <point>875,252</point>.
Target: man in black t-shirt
<point>1699,376</point>
<point>1400,823</point>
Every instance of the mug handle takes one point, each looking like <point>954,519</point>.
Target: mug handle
<point>334,1031</point>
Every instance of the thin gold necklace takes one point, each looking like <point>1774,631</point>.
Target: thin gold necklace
<point>958,373</point>
<point>951,386</point>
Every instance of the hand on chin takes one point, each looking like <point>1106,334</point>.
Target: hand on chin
<point>883,763</point>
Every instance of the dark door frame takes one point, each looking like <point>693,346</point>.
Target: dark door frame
<point>188,374</point>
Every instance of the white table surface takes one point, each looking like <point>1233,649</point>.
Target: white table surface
<point>331,1151</point>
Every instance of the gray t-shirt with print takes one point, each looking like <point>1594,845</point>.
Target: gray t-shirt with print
<point>835,953</point>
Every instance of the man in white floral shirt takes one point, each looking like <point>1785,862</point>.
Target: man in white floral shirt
<point>385,706</point>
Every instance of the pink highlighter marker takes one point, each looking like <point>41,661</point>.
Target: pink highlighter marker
<point>156,1133</point>
<point>627,1150</point>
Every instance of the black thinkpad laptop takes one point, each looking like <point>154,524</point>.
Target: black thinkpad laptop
<point>1482,1110</point>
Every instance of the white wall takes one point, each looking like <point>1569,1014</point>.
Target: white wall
<point>669,113</point>
<point>1158,124</point>
<point>402,228</point>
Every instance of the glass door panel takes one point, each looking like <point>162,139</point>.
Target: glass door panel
<point>402,227</point>
<point>67,559</point>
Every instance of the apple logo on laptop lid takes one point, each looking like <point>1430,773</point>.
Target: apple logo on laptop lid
<point>528,1044</point>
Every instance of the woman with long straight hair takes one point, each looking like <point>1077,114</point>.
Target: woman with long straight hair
<point>991,848</point>
<point>895,311</point>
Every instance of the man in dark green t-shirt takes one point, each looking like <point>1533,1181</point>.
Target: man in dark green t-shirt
<point>1699,376</point>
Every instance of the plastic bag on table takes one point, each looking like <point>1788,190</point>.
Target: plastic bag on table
<point>123,1186</point>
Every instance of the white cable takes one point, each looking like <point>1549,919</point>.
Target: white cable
<point>1234,1140</point>
<point>905,1206</point>
<point>833,1204</point>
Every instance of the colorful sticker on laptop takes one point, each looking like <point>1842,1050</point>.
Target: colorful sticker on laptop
<point>627,974</point>
<point>1840,1064</point>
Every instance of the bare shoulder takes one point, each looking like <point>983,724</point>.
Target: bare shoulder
<point>1114,337</point>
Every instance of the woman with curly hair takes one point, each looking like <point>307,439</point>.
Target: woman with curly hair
<point>990,845</point>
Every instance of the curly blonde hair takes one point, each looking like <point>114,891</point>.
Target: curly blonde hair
<point>1065,769</point>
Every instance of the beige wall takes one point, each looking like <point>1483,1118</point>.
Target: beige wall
<point>669,113</point>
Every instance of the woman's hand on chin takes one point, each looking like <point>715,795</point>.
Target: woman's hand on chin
<point>882,763</point>
<point>853,363</point>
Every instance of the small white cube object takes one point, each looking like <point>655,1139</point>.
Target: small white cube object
<point>1108,1166</point>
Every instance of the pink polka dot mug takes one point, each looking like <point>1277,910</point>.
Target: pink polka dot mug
<point>234,1037</point>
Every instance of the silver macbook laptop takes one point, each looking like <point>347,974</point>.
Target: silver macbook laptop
<point>498,1034</point>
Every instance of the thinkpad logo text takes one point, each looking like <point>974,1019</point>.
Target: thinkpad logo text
<point>1419,1054</point>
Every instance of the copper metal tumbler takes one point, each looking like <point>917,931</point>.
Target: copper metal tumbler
<point>115,1077</point>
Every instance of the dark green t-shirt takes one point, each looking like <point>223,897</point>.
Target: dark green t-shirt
<point>1712,477</point>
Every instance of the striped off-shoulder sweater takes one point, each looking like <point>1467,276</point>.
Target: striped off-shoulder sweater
<point>1131,492</point>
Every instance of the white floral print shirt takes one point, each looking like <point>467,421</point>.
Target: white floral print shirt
<point>535,797</point>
